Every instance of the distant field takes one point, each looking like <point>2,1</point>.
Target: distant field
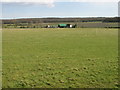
<point>60,58</point>
<point>79,25</point>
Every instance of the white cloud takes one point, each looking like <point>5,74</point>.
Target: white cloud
<point>50,3</point>
<point>87,0</point>
<point>93,0</point>
<point>30,1</point>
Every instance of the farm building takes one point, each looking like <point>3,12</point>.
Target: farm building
<point>64,25</point>
<point>61,26</point>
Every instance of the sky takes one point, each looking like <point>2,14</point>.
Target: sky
<point>12,9</point>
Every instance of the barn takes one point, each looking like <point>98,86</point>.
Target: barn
<point>61,26</point>
<point>64,25</point>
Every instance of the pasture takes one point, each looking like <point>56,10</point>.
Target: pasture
<point>60,58</point>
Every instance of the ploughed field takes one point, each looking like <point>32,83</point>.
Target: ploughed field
<point>60,58</point>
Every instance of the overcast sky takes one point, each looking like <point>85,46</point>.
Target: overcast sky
<point>58,8</point>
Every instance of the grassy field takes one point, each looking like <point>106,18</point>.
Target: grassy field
<point>60,58</point>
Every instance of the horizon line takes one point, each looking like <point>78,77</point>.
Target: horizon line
<point>60,17</point>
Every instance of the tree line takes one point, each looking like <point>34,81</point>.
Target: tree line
<point>58,20</point>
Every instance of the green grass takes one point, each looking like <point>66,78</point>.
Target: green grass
<point>60,58</point>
